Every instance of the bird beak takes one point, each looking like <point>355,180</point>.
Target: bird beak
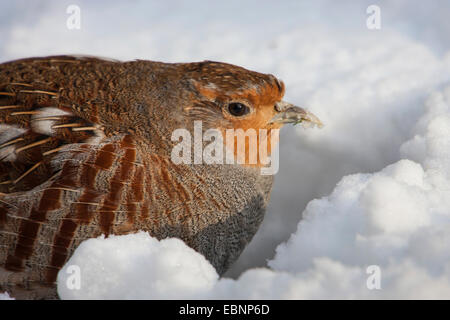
<point>288,113</point>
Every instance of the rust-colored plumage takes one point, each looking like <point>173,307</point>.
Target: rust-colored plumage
<point>85,149</point>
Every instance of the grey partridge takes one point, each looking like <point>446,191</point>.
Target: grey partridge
<point>85,150</point>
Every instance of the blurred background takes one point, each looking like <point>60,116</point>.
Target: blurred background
<point>367,85</point>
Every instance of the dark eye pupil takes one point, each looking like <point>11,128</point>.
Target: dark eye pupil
<point>237,109</point>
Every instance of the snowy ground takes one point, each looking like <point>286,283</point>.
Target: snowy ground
<point>379,170</point>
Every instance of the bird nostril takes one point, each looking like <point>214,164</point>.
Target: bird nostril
<point>278,107</point>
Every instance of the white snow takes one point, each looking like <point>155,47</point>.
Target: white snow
<point>5,296</point>
<point>114,268</point>
<point>372,186</point>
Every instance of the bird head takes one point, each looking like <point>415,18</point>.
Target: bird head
<point>234,97</point>
<point>231,97</point>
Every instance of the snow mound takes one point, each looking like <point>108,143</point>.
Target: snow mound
<point>135,266</point>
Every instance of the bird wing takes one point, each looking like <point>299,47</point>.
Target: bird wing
<point>62,178</point>
<point>38,118</point>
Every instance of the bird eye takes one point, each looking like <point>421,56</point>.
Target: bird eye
<point>238,109</point>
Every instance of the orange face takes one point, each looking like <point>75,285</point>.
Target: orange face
<point>249,108</point>
<point>230,97</point>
